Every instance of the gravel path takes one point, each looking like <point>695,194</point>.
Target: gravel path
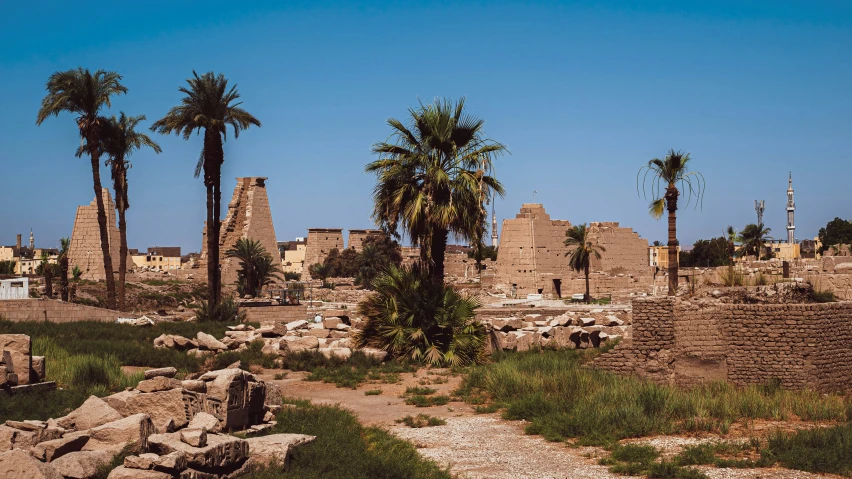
<point>488,447</point>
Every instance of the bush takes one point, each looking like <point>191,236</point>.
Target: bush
<point>227,311</point>
<point>345,449</point>
<point>731,276</point>
<point>421,420</point>
<point>427,401</point>
<point>816,450</point>
<point>416,317</point>
<point>561,398</point>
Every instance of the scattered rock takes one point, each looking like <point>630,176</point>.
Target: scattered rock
<point>92,413</point>
<point>17,464</point>
<point>81,464</point>
<point>158,383</point>
<point>203,420</point>
<point>275,448</point>
<point>221,451</point>
<point>164,372</point>
<point>122,472</point>
<point>50,450</point>
<point>114,436</point>
<point>142,461</point>
<point>194,437</point>
<point>206,341</point>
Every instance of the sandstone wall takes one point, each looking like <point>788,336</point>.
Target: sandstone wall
<point>532,257</point>
<point>249,216</point>
<point>357,237</point>
<point>55,311</point>
<point>320,242</point>
<point>801,345</point>
<point>85,250</point>
<point>280,314</point>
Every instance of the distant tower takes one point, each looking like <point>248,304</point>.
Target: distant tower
<point>791,210</point>
<point>32,240</point>
<point>759,206</point>
<point>494,241</point>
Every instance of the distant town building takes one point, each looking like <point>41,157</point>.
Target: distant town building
<point>158,258</point>
<point>292,255</point>
<point>658,256</point>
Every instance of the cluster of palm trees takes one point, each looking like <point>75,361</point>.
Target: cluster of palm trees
<point>752,241</point>
<point>208,106</point>
<point>258,268</point>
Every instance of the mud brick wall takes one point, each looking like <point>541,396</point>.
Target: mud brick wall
<point>248,216</point>
<point>279,314</point>
<point>801,345</point>
<point>55,311</point>
<point>85,250</point>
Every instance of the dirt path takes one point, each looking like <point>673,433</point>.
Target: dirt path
<point>482,446</point>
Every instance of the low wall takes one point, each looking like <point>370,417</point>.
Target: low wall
<point>801,345</point>
<point>278,314</point>
<point>55,311</point>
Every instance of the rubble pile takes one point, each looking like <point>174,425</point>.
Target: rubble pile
<point>574,330</point>
<point>175,428</point>
<point>331,337</point>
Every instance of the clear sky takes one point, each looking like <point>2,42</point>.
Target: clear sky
<point>582,94</point>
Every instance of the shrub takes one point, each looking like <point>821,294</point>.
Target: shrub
<point>416,317</point>
<point>373,392</point>
<point>816,450</point>
<point>417,390</point>
<point>421,420</point>
<point>731,276</point>
<point>427,401</point>
<point>227,311</point>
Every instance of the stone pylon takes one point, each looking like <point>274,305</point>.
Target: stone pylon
<point>85,250</point>
<point>248,216</point>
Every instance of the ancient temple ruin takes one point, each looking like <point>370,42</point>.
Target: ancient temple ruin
<point>85,250</point>
<point>248,216</point>
<point>532,256</point>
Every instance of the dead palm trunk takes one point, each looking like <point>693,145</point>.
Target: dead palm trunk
<point>93,140</point>
<point>671,205</point>
<point>122,260</point>
<point>588,297</point>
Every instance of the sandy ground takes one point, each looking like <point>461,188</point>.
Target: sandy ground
<point>483,445</point>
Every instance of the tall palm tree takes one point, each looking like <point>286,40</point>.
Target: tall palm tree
<point>64,245</point>
<point>84,93</point>
<point>120,140</point>
<point>47,272</point>
<point>666,175</point>
<point>434,178</point>
<point>209,105</point>
<point>754,236</point>
<point>582,251</point>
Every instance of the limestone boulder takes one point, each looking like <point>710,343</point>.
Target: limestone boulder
<point>18,464</point>
<point>561,320</point>
<point>294,325</point>
<point>194,437</point>
<point>81,464</point>
<point>586,322</point>
<point>613,321</point>
<point>161,406</point>
<point>275,448</point>
<point>38,371</point>
<point>203,420</point>
<point>298,344</point>
<point>194,385</point>
<point>507,324</point>
<point>342,353</point>
<point>114,436</point>
<point>122,472</point>
<point>221,451</point>
<point>142,461</point>
<point>528,341</point>
<point>17,355</point>
<point>331,323</point>
<point>375,353</point>
<point>50,450</point>
<point>92,413</point>
<point>160,372</point>
<point>158,383</point>
<point>207,341</point>
<point>318,332</point>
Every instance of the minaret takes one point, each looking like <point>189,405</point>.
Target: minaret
<point>32,240</point>
<point>791,210</point>
<point>494,241</point>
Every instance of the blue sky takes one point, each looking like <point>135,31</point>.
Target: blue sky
<point>583,94</point>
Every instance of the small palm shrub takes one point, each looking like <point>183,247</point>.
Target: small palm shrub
<point>228,310</point>
<point>414,316</point>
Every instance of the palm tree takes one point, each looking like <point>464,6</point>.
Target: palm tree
<point>733,238</point>
<point>414,316</point>
<point>76,273</point>
<point>84,93</point>
<point>582,251</point>
<point>372,261</point>
<point>753,238</point>
<point>119,140</point>
<point>209,106</point>
<point>45,269</point>
<point>435,178</point>
<point>666,174</point>
<point>257,270</point>
<point>65,244</point>
<point>321,271</point>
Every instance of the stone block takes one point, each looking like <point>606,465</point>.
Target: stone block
<point>17,355</point>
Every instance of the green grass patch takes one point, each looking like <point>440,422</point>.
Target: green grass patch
<point>421,420</point>
<point>561,398</point>
<point>486,409</point>
<point>345,449</point>
<point>827,449</point>
<point>373,392</point>
<point>420,400</point>
<point>252,355</point>
<point>351,373</point>
<point>641,460</point>
<point>419,390</point>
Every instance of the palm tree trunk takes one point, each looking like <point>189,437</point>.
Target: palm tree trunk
<point>671,205</point>
<point>48,282</point>
<point>217,226</point>
<point>122,260</point>
<point>588,297</point>
<point>438,253</point>
<point>102,221</point>
<point>212,243</point>
<point>63,277</point>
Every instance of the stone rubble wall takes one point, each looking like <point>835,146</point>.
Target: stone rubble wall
<point>55,311</point>
<point>801,345</point>
<point>85,250</point>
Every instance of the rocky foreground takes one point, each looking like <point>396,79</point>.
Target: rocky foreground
<point>173,428</point>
